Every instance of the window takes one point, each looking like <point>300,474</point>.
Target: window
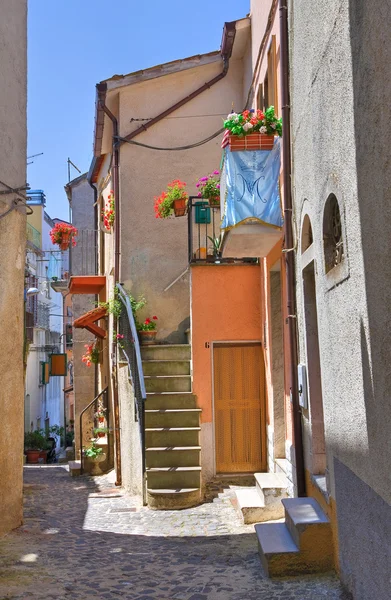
<point>267,92</point>
<point>332,234</point>
<point>306,234</point>
<point>68,335</point>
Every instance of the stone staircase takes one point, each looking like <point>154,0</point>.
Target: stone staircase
<point>172,428</point>
<point>264,501</point>
<point>303,544</point>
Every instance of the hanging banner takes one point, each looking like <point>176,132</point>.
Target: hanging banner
<point>250,187</point>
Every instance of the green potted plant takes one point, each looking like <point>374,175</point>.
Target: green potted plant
<point>147,331</point>
<point>34,444</point>
<point>93,459</point>
<point>216,242</point>
<point>253,130</point>
<point>100,431</point>
<point>209,188</point>
<point>172,201</point>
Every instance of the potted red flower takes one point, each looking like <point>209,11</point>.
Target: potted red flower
<point>172,201</point>
<point>62,234</point>
<point>147,331</point>
<point>109,213</point>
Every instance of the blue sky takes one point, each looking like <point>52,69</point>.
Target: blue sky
<point>74,44</point>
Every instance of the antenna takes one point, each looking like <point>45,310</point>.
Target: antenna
<point>69,168</point>
<point>33,156</point>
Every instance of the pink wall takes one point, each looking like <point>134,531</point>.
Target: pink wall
<point>225,306</point>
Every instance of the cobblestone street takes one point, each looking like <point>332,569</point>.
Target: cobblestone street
<point>83,539</point>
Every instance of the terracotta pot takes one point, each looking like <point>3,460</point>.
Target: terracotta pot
<point>94,466</point>
<point>179,208</point>
<point>147,338</point>
<point>65,239</point>
<point>101,419</point>
<point>252,141</point>
<point>214,202</point>
<point>32,456</point>
<point>99,434</point>
<point>44,454</point>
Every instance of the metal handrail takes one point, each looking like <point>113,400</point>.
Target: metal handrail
<point>81,423</point>
<point>136,376</point>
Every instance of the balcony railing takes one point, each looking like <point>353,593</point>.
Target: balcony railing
<point>33,235</point>
<point>83,258</point>
<point>205,238</point>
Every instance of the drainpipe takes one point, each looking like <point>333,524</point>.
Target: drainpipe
<point>96,225</point>
<point>289,244</point>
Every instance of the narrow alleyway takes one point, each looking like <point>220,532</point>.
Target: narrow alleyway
<point>82,539</point>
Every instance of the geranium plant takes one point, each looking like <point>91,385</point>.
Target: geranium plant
<point>209,187</point>
<point>251,121</point>
<point>175,194</point>
<point>148,325</point>
<point>91,355</point>
<point>63,233</point>
<point>101,410</point>
<point>108,212</point>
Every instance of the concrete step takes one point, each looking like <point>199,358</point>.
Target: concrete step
<point>174,456</point>
<point>173,477</point>
<point>173,417</point>
<point>166,400</point>
<point>309,527</point>
<point>249,505</point>
<point>159,437</point>
<point>272,488</point>
<point>168,383</point>
<point>166,352</point>
<point>303,544</point>
<point>74,468</point>
<point>170,499</point>
<point>166,367</point>
<point>278,552</point>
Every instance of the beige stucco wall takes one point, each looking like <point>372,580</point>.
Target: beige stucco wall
<point>154,251</point>
<point>13,63</point>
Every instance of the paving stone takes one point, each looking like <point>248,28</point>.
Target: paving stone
<point>85,549</point>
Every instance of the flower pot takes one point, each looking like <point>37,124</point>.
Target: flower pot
<point>44,456</point>
<point>94,466</point>
<point>100,434</point>
<point>179,207</point>
<point>32,456</point>
<point>214,202</point>
<point>147,338</point>
<point>252,141</point>
<point>65,239</point>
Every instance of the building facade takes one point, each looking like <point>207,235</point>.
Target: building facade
<point>339,57</point>
<point>13,99</point>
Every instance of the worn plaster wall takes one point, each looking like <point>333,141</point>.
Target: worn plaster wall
<point>82,200</point>
<point>154,251</point>
<point>225,306</point>
<point>344,63</point>
<point>13,94</point>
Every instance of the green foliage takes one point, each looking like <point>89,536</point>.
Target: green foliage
<point>93,451</point>
<point>69,437</point>
<point>216,243</point>
<point>56,430</point>
<point>254,122</point>
<point>97,430</point>
<point>35,440</point>
<point>113,306</point>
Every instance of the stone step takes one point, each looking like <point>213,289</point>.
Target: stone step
<point>166,367</point>
<point>173,477</point>
<point>174,456</point>
<point>308,525</point>
<point>166,400</point>
<point>272,488</point>
<point>168,383</point>
<point>303,544</point>
<point>74,468</point>
<point>172,417</point>
<point>249,505</point>
<point>166,499</point>
<point>159,437</point>
<point>166,352</point>
<point>278,552</point>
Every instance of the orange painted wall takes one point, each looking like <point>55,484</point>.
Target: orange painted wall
<point>225,306</point>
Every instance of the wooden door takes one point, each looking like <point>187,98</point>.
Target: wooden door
<point>239,408</point>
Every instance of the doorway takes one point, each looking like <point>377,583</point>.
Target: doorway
<point>239,407</point>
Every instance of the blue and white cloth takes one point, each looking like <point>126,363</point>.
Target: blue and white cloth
<point>250,187</point>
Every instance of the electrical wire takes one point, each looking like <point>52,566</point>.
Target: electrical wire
<point>15,203</point>
<point>188,147</point>
<point>181,117</point>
